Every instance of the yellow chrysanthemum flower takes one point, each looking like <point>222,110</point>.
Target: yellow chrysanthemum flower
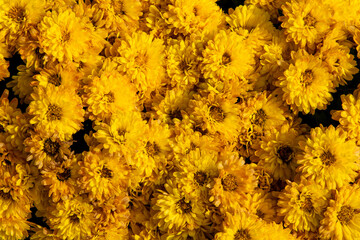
<point>142,59</point>
<point>348,117</point>
<point>235,180</point>
<point>342,218</point>
<point>4,65</point>
<point>72,219</point>
<point>13,228</point>
<point>108,93</point>
<point>175,210</point>
<point>182,63</point>
<point>56,110</point>
<point>64,36</point>
<point>252,24</point>
<point>277,151</point>
<point>307,84</point>
<point>226,57</point>
<point>21,83</point>
<point>122,135</point>
<point>302,205</point>
<point>305,21</point>
<point>330,159</point>
<point>103,176</point>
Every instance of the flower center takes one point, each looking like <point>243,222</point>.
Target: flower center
<point>74,218</point>
<point>327,158</point>
<point>109,97</point>
<point>51,148</point>
<point>242,234</point>
<point>260,214</point>
<point>54,112</point>
<point>259,117</point>
<point>200,177</point>
<point>226,59</point>
<point>106,173</point>
<point>345,214</point>
<point>183,65</point>
<point>5,195</point>
<point>307,78</point>
<point>309,20</point>
<point>229,183</point>
<point>217,114</point>
<point>285,153</point>
<point>152,148</point>
<point>307,204</point>
<point>65,175</point>
<point>55,79</point>
<point>141,59</point>
<point>17,13</point>
<point>184,206</point>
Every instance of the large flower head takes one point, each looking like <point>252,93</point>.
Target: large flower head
<point>329,158</point>
<point>141,59</point>
<point>56,110</point>
<point>342,218</point>
<point>307,84</point>
<point>64,36</point>
<point>226,57</point>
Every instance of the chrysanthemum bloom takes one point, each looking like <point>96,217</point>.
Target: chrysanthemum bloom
<point>57,75</point>
<point>117,15</point>
<point>261,204</point>
<point>302,205</point>
<point>307,84</point>
<point>277,151</point>
<point>216,115</point>
<point>151,158</point>
<point>13,228</point>
<point>253,25</point>
<point>72,219</point>
<point>45,149</point>
<point>349,117</point>
<point>108,93</point>
<point>171,108</point>
<point>342,218</point>
<point>4,65</point>
<point>175,210</point>
<point>64,36</point>
<point>56,110</point>
<point>191,17</point>
<point>21,83</point>
<point>329,158</point>
<point>265,112</point>
<point>235,180</point>
<point>241,225</point>
<point>103,176</point>
<point>142,60</point>
<point>226,57</point>
<point>122,135</point>
<point>305,22</point>
<point>61,180</point>
<point>16,17</point>
<point>182,63</point>
<point>198,170</point>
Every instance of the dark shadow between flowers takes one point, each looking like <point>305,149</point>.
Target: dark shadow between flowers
<point>226,4</point>
<point>79,145</point>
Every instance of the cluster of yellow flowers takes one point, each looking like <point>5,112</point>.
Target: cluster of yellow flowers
<point>195,120</point>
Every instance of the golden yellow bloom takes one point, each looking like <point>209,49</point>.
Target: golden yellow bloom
<point>56,110</point>
<point>103,176</point>
<point>235,180</point>
<point>21,83</point>
<point>72,219</point>
<point>142,59</point>
<point>348,117</point>
<point>329,159</point>
<point>342,218</point>
<point>307,83</point>
<point>226,57</point>
<point>261,204</point>
<point>108,93</point>
<point>305,22</point>
<point>176,210</point>
<point>13,228</point>
<point>65,36</point>
<point>122,135</point>
<point>4,65</point>
<point>302,205</point>
<point>277,152</point>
